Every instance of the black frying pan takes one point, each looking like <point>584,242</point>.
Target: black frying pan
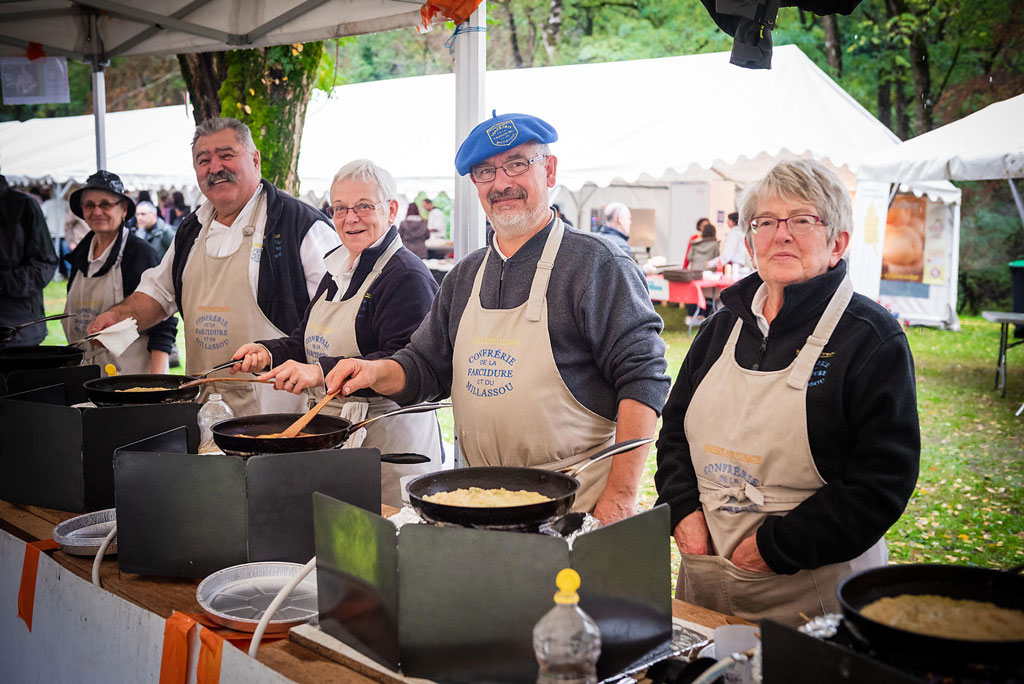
<point>7,333</point>
<point>1005,589</point>
<point>326,432</point>
<point>39,357</point>
<point>104,391</point>
<point>560,488</point>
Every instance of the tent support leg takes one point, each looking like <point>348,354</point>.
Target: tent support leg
<point>99,108</point>
<point>470,70</point>
<point>1017,200</point>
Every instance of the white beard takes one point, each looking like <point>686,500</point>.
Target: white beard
<point>517,224</point>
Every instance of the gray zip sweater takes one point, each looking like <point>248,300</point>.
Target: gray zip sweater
<point>603,328</point>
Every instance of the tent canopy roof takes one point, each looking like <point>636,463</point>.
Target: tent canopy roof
<point>691,118</point>
<point>155,27</point>
<point>986,145</point>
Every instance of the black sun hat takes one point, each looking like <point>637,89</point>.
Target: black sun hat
<point>101,180</point>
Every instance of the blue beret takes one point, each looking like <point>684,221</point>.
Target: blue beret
<point>499,134</point>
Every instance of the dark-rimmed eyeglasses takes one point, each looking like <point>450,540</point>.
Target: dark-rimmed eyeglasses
<point>798,224</point>
<point>513,167</point>
<point>362,210</point>
<point>103,206</point>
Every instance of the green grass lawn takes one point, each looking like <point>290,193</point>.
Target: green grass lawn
<point>968,506</point>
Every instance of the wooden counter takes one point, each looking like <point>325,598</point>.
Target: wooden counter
<point>162,596</point>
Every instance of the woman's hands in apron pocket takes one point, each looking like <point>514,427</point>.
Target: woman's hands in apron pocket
<point>295,377</point>
<point>692,535</point>
<point>747,557</point>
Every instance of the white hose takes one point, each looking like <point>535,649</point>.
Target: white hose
<point>100,553</point>
<point>722,666</point>
<point>276,603</point>
<point>715,671</point>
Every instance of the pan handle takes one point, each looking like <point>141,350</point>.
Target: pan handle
<point>415,408</point>
<point>54,317</point>
<point>614,449</point>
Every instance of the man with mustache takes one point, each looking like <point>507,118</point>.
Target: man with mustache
<point>243,266</point>
<point>546,340</point>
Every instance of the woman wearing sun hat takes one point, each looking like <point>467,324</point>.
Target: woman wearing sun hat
<point>106,267</point>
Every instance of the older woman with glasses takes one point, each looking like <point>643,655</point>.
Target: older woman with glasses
<point>790,442</point>
<point>373,297</point>
<point>106,267</point>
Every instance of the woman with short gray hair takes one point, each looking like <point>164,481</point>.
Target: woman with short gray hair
<point>373,297</point>
<point>790,441</point>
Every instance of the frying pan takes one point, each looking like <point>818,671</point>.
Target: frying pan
<point>7,333</point>
<point>560,488</point>
<point>39,357</point>
<point>1003,588</point>
<point>105,391</point>
<point>325,432</point>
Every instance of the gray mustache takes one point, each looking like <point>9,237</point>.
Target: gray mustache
<point>223,174</point>
<point>507,193</point>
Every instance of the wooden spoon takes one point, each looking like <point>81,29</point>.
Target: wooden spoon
<point>296,427</point>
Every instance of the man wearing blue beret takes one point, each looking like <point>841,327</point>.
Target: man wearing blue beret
<point>546,340</point>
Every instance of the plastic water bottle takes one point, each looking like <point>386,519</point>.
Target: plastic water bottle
<point>211,413</point>
<point>566,640</point>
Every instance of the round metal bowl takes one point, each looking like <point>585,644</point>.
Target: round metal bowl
<point>83,534</point>
<point>237,597</point>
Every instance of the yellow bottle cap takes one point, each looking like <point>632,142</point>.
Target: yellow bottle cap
<point>111,369</point>
<point>567,581</point>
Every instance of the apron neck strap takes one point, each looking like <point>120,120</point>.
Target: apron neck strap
<point>815,344</point>
<point>539,287</point>
<point>120,242</point>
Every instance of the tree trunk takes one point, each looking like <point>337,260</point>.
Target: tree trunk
<point>833,44</point>
<point>553,29</point>
<point>204,73</point>
<point>885,102</point>
<point>267,89</point>
<point>902,116</point>
<point>920,68</point>
<point>517,57</point>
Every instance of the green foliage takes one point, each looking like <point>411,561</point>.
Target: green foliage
<point>991,235</point>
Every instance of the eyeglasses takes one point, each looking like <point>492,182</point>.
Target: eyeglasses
<point>362,210</point>
<point>513,167</point>
<point>104,206</point>
<point>798,224</point>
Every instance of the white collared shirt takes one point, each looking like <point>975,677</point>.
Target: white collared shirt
<point>158,282</point>
<point>757,308</point>
<point>341,271</point>
<point>97,263</point>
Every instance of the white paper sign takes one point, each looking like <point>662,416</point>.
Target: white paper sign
<point>38,81</point>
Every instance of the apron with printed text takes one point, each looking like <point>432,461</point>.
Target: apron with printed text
<point>220,314</point>
<point>511,406</point>
<point>331,331</point>
<point>87,298</point>
<point>747,432</point>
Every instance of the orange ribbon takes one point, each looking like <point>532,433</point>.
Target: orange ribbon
<point>174,660</point>
<point>239,640</point>
<point>208,668</point>
<point>27,591</point>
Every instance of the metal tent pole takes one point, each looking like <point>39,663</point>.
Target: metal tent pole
<point>99,105</point>
<point>470,71</point>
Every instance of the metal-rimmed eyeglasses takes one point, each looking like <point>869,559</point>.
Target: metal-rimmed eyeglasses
<point>485,173</point>
<point>102,206</point>
<point>362,210</point>
<point>798,224</point>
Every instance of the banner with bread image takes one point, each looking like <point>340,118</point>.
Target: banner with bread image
<point>903,252</point>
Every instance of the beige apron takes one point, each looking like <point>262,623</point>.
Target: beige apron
<point>220,314</point>
<point>86,299</point>
<point>331,331</point>
<point>747,432</point>
<point>511,406</point>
